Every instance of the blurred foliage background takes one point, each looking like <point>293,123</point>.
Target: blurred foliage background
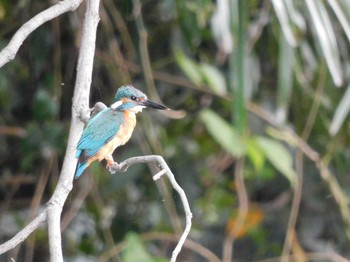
<point>258,138</point>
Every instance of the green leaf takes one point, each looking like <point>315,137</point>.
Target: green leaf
<point>255,154</point>
<point>202,73</point>
<point>213,78</point>
<point>189,67</point>
<point>223,132</point>
<point>278,156</point>
<point>135,251</point>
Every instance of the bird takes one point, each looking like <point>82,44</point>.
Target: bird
<point>112,127</point>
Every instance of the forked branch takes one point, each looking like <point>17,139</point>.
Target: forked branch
<point>164,169</point>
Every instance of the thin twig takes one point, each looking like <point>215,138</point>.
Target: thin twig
<point>162,165</point>
<point>105,228</point>
<point>111,18</point>
<point>35,205</point>
<point>291,232</point>
<point>143,49</point>
<point>120,24</point>
<point>85,187</point>
<point>242,212</point>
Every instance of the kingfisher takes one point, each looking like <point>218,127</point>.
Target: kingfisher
<point>112,127</point>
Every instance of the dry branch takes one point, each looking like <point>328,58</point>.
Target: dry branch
<point>9,52</point>
<point>80,109</point>
<point>164,170</point>
<point>24,233</point>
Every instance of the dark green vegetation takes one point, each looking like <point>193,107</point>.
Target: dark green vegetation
<point>258,138</point>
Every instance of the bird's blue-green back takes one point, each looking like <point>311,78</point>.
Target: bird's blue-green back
<point>99,131</point>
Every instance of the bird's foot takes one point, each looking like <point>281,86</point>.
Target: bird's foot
<point>110,163</point>
<point>112,166</point>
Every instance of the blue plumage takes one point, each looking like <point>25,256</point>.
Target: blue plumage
<point>99,131</point>
<point>80,169</point>
<point>111,127</point>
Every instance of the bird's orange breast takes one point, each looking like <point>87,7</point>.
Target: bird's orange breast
<point>121,137</point>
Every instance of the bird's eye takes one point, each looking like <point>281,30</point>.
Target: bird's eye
<point>133,98</point>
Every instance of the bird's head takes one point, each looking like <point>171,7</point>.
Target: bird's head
<point>132,99</point>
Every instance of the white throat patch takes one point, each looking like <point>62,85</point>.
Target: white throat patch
<point>136,109</point>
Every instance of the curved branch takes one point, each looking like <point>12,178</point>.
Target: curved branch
<point>9,52</point>
<point>164,170</point>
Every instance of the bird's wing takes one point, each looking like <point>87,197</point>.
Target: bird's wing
<point>99,131</point>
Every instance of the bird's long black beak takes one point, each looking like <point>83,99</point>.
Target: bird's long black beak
<point>154,105</point>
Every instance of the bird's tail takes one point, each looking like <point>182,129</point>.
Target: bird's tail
<point>81,166</point>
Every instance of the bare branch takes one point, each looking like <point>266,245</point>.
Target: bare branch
<point>164,170</point>
<point>242,211</point>
<point>24,233</point>
<point>80,108</point>
<point>6,55</point>
<point>9,52</point>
